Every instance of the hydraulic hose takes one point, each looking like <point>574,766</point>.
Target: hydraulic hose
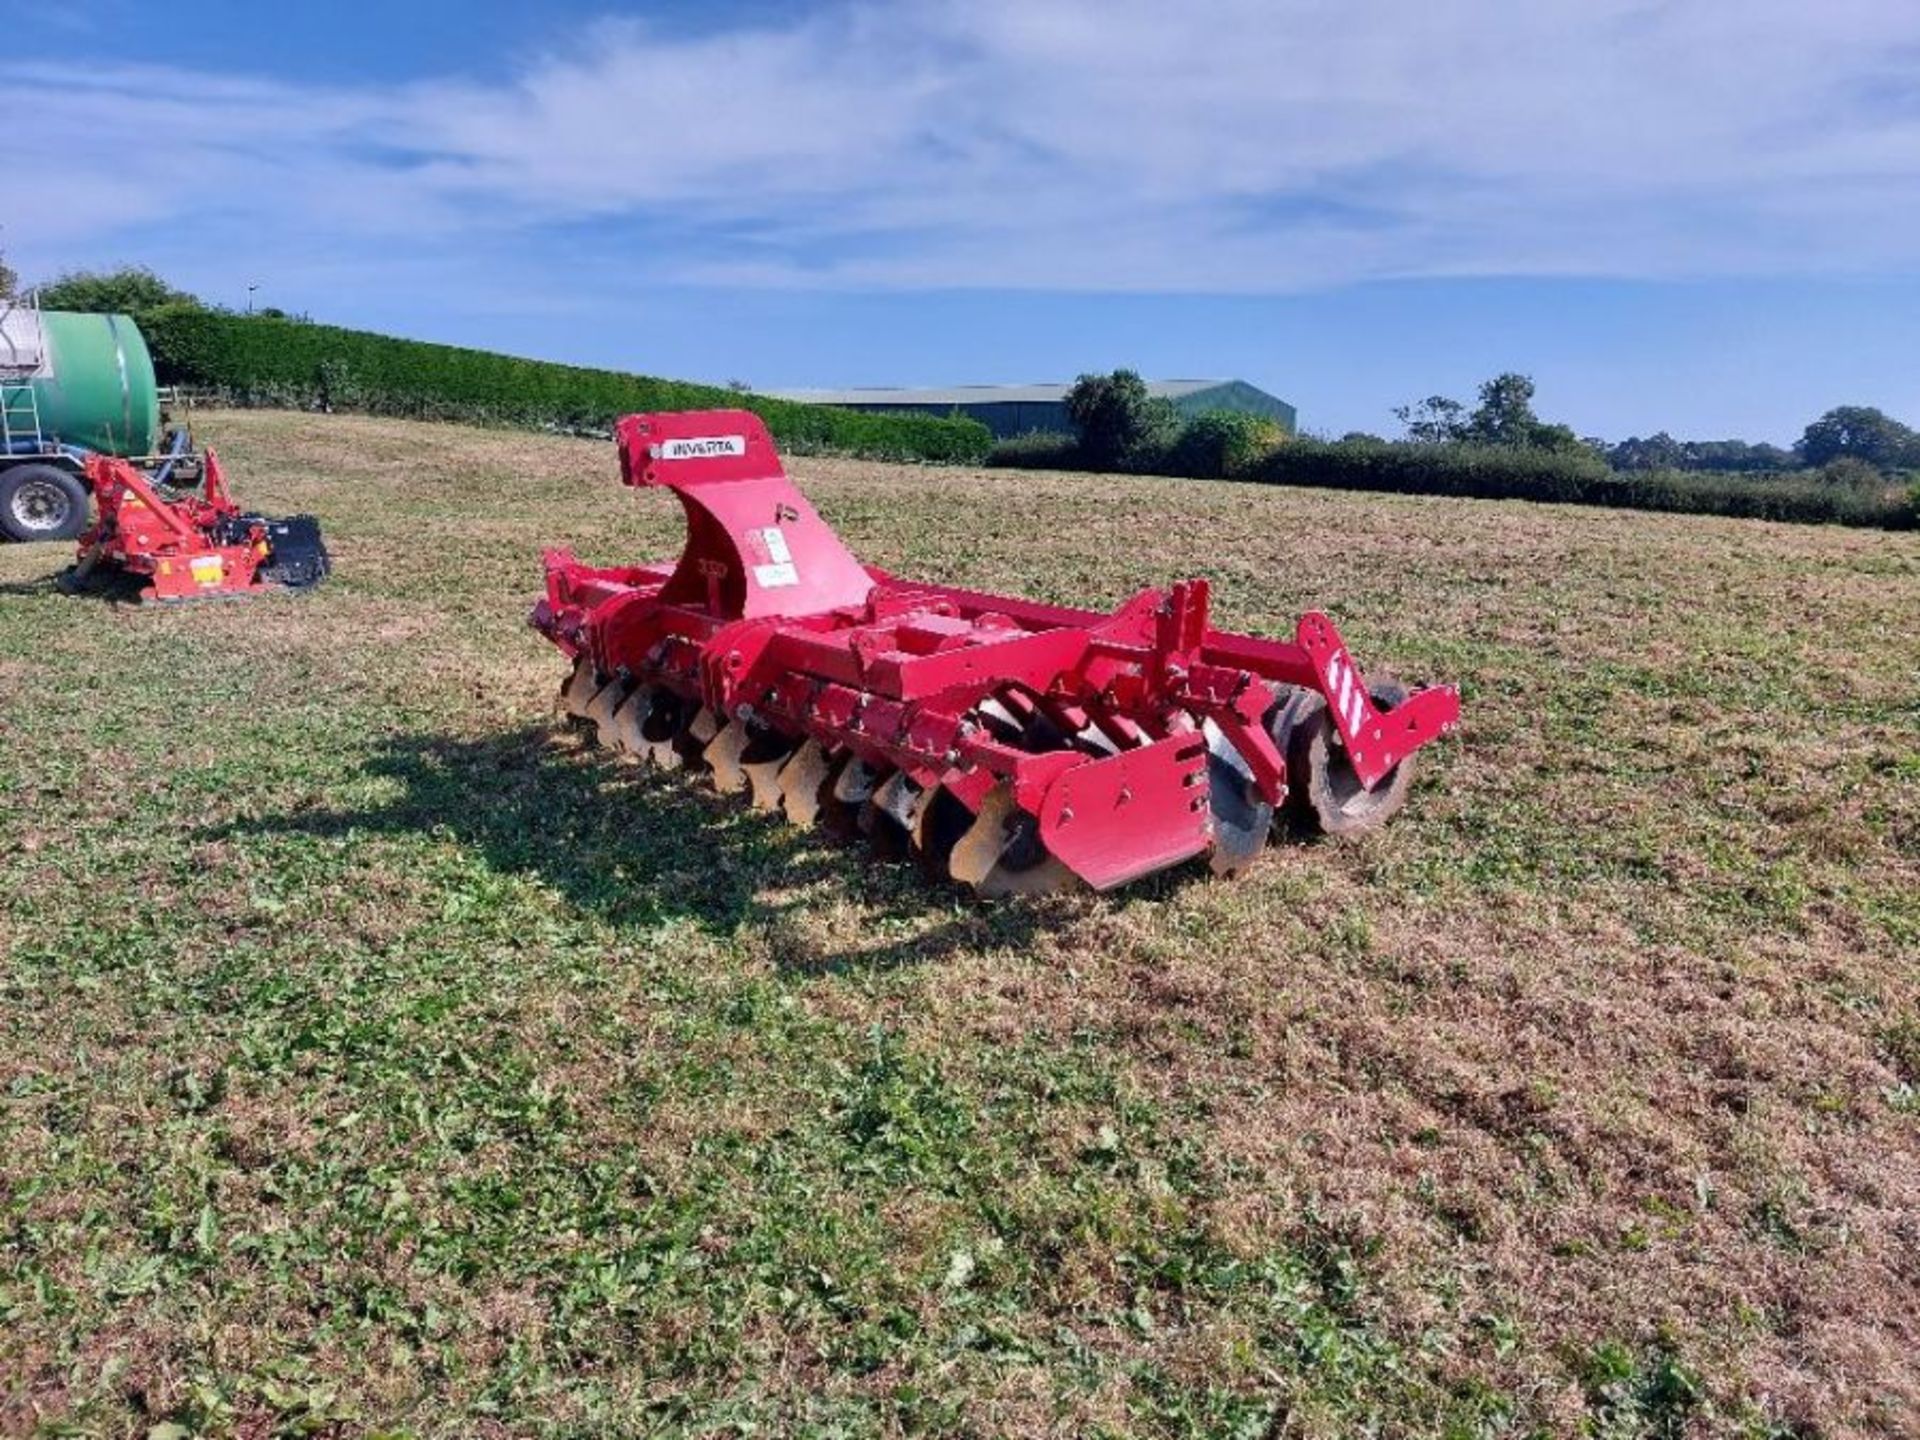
<point>178,450</point>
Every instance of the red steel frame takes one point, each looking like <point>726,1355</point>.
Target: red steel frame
<point>767,617</point>
<point>168,540</point>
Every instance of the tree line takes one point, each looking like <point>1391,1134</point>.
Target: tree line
<point>1863,457</point>
<point>1849,436</point>
<point>1848,469</point>
<point>1119,426</point>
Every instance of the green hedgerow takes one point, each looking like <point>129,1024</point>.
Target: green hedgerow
<point>1038,450</point>
<point>260,360</point>
<point>1488,473</point>
<point>1223,444</point>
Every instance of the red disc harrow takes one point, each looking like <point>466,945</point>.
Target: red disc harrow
<point>1011,745</point>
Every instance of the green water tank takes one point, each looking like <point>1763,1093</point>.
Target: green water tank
<point>90,375</point>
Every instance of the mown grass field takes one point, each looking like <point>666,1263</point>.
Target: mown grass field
<point>372,1062</point>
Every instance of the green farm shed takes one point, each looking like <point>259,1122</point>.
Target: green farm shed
<point>1009,410</point>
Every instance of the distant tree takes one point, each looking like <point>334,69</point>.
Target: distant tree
<point>9,282</point>
<point>1504,418</point>
<point>1737,455</point>
<point>1657,452</point>
<point>1436,420</point>
<point>1556,438</point>
<point>1859,432</point>
<point>1119,424</point>
<point>1505,414</point>
<point>1851,470</point>
<point>1663,452</point>
<point>1361,437</point>
<point>130,290</point>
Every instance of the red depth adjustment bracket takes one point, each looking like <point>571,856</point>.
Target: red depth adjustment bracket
<point>1375,742</point>
<point>755,547</point>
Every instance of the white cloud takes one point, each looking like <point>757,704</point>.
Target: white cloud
<point>1235,145</point>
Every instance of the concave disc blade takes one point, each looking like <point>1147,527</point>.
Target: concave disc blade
<point>806,782</point>
<point>999,720</point>
<point>579,688</point>
<point>855,784</point>
<point>661,724</point>
<point>845,804</point>
<point>630,723</point>
<point>1242,820</point>
<point>723,754</point>
<point>1328,796</point>
<point>887,819</point>
<point>692,739</point>
<point>937,827</point>
<point>1001,854</point>
<point>599,713</point>
<point>761,762</point>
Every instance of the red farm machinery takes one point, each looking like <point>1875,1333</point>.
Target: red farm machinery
<point>171,544</point>
<point>1014,746</point>
<point>86,450</point>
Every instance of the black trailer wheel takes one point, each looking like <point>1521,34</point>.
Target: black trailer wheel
<point>41,502</point>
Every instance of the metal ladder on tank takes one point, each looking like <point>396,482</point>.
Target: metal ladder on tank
<point>20,420</point>
<point>20,431</point>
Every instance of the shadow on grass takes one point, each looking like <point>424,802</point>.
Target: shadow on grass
<point>46,585</point>
<point>643,849</point>
<point>110,586</point>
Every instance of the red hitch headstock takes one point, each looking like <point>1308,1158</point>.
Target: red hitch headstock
<point>755,547</point>
<point>687,448</point>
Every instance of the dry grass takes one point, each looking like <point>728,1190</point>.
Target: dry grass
<point>367,1061</point>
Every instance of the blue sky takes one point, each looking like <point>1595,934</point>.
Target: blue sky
<point>1691,215</point>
